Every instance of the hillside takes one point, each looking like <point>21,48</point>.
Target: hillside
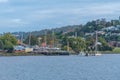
<point>110,30</point>
<point>108,35</point>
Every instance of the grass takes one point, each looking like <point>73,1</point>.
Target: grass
<point>19,54</point>
<point>116,50</point>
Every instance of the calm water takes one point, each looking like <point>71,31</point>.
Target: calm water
<point>105,67</point>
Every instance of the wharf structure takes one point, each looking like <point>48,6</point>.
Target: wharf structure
<point>50,51</point>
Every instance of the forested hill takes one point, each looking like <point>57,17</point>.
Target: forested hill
<point>89,27</point>
<point>64,29</point>
<point>83,35</point>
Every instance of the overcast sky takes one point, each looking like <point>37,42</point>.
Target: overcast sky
<point>30,15</point>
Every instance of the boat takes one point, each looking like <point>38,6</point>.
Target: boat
<point>98,54</point>
<point>82,53</point>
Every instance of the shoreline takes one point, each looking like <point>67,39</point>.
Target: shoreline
<point>29,54</point>
<point>109,52</point>
<point>33,54</point>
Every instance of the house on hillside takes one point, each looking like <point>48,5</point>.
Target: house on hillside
<point>114,43</point>
<point>111,28</point>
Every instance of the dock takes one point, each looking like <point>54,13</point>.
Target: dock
<point>50,51</point>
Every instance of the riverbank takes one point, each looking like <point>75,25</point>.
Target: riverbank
<point>35,54</point>
<point>20,54</point>
<point>109,52</point>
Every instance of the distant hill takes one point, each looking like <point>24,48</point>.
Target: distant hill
<point>108,35</point>
<point>71,28</point>
<point>89,27</point>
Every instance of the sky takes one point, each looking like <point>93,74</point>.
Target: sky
<point>31,15</point>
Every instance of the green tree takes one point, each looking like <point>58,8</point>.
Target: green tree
<point>8,41</point>
<point>77,44</point>
<point>104,45</point>
<point>31,40</point>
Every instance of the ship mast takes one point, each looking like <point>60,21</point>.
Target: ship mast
<point>68,46</point>
<point>96,42</point>
<point>53,36</point>
<point>45,38</point>
<point>29,39</point>
<point>22,38</point>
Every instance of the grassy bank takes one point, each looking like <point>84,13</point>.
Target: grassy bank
<point>109,52</point>
<point>19,54</point>
<point>117,50</point>
<point>35,54</point>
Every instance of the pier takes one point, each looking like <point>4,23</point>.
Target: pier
<point>50,51</point>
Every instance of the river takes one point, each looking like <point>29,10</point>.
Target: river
<point>105,67</point>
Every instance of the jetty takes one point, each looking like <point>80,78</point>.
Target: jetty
<point>50,51</point>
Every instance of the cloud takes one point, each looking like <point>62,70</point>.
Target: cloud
<point>16,20</point>
<point>102,9</point>
<point>12,23</point>
<point>87,10</point>
<point>23,12</point>
<point>73,15</point>
<point>3,1</point>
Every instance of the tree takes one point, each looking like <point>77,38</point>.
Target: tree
<point>31,40</point>
<point>77,44</point>
<point>8,41</point>
<point>8,46</point>
<point>104,45</point>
